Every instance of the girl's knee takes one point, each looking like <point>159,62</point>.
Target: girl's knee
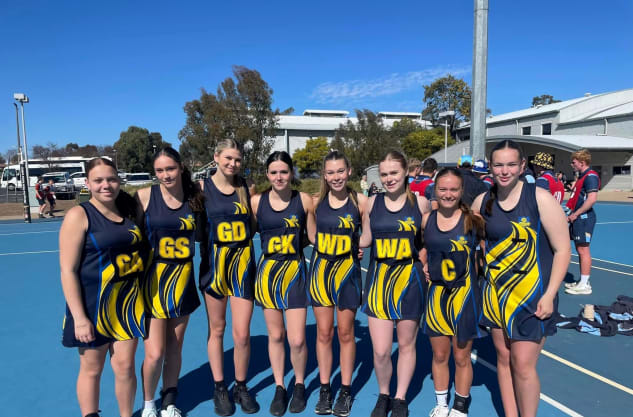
<point>296,343</point>
<point>346,335</point>
<point>276,336</point>
<point>241,338</point>
<point>325,336</point>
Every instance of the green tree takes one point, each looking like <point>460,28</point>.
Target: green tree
<point>422,143</point>
<point>543,100</point>
<point>240,109</point>
<point>310,158</point>
<point>135,149</point>
<point>364,142</point>
<point>2,160</point>
<point>444,94</point>
<point>402,128</point>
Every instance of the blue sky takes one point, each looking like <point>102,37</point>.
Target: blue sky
<point>93,69</point>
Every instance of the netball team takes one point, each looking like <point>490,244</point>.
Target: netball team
<point>127,273</point>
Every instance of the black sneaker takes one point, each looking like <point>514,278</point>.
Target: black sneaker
<point>298,402</point>
<point>242,397</point>
<point>324,405</point>
<point>399,408</point>
<point>343,404</point>
<point>280,402</point>
<point>223,405</point>
<point>383,405</point>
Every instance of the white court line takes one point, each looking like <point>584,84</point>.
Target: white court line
<point>544,397</point>
<point>605,269</point>
<point>627,222</point>
<point>29,253</point>
<point>609,262</point>
<point>29,233</point>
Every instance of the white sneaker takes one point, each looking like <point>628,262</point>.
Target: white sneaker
<point>149,412</point>
<point>171,411</point>
<point>579,290</point>
<point>440,411</point>
<point>455,413</point>
<point>571,284</point>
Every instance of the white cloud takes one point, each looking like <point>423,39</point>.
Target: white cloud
<point>339,91</point>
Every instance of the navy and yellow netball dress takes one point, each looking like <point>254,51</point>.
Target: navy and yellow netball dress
<point>453,303</point>
<point>113,262</point>
<point>170,287</point>
<point>335,277</point>
<point>393,289</point>
<point>229,268</point>
<point>281,273</point>
<point>518,266</point>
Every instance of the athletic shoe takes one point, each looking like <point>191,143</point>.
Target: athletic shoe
<point>571,284</point>
<point>223,405</point>
<point>382,407</point>
<point>324,405</point>
<point>579,290</point>
<point>399,408</point>
<point>440,411</point>
<point>242,397</point>
<point>298,401</point>
<point>149,412</point>
<point>455,413</point>
<point>280,402</point>
<point>343,404</point>
<point>171,411</point>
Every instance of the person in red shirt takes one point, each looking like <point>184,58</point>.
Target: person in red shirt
<point>543,165</point>
<point>40,195</point>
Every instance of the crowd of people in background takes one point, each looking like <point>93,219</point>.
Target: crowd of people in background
<point>452,251</point>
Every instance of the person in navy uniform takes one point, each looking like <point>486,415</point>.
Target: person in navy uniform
<point>335,277</point>
<point>170,288</point>
<point>394,284</point>
<point>453,303</point>
<point>102,259</point>
<point>582,217</point>
<point>527,254</point>
<point>227,272</point>
<point>284,216</point>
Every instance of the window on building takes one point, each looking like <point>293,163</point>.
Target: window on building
<point>526,130</point>
<point>622,170</point>
<point>547,129</point>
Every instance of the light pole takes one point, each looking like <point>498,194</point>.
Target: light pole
<point>116,165</point>
<point>445,115</point>
<point>24,165</point>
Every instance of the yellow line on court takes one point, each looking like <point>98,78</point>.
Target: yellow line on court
<point>588,372</point>
<point>606,269</point>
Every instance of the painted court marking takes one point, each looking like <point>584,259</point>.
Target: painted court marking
<point>28,233</point>
<point>605,269</point>
<point>29,253</point>
<point>627,222</point>
<point>605,261</point>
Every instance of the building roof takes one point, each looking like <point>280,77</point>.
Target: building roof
<point>340,113</point>
<point>572,143</point>
<point>399,114</point>
<point>327,123</point>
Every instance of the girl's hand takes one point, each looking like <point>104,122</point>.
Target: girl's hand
<point>545,307</point>
<point>84,330</point>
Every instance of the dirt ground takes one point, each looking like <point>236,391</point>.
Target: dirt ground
<point>15,211</point>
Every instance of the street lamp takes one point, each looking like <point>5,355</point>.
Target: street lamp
<point>445,115</point>
<point>24,166</point>
<point>116,165</point>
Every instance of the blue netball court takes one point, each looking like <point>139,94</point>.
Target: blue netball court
<point>581,375</point>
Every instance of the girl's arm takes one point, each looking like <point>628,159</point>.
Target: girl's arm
<point>308,206</point>
<point>365,237</point>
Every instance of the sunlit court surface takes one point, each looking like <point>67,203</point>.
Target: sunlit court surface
<point>580,374</point>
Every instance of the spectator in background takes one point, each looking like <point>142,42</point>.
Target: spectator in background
<point>51,198</point>
<point>543,165</point>
<point>414,169</point>
<point>363,185</point>
<point>40,195</point>
<point>423,184</point>
<point>473,186</point>
<point>373,189</point>
<point>480,169</point>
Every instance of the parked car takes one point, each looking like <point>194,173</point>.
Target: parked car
<point>64,186</point>
<point>138,179</point>
<point>79,179</point>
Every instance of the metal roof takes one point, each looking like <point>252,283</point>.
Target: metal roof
<point>571,143</point>
<point>342,113</point>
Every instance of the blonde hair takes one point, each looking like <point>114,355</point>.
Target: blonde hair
<point>414,164</point>
<point>402,160</point>
<point>582,155</point>
<point>238,182</point>
<point>335,155</point>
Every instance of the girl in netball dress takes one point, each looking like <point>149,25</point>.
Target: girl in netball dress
<point>227,272</point>
<point>283,217</point>
<point>335,277</point>
<point>453,302</point>
<point>527,253</point>
<point>394,284</point>
<point>170,288</point>
<point>102,261</point>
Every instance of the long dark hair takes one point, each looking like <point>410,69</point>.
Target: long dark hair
<point>471,221</point>
<point>402,160</point>
<point>192,192</point>
<point>125,204</point>
<point>504,144</point>
<point>335,155</point>
<point>283,156</point>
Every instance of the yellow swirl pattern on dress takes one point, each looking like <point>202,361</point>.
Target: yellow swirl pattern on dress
<point>387,289</point>
<point>166,286</point>
<point>514,272</point>
<point>231,270</point>
<point>240,208</point>
<point>328,278</point>
<point>292,222</point>
<point>445,305</point>
<point>407,225</point>
<point>187,223</point>
<point>346,222</point>
<point>137,236</point>
<point>274,278</point>
<point>121,311</point>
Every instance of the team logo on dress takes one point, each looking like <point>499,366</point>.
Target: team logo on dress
<point>524,221</point>
<point>292,222</point>
<point>187,223</point>
<point>407,225</point>
<point>136,234</point>
<point>240,208</point>
<point>346,222</point>
<point>461,240</point>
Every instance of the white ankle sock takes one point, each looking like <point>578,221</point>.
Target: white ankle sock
<point>151,405</point>
<point>441,397</point>
<point>584,280</point>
